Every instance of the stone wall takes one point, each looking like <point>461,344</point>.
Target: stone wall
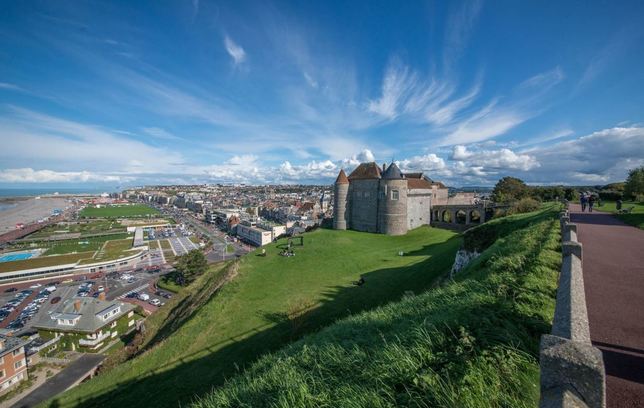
<point>418,207</point>
<point>363,205</point>
<point>572,370</point>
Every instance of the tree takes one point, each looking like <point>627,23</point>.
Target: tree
<point>634,187</point>
<point>510,189</point>
<point>190,266</point>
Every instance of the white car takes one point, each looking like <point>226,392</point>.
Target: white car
<point>101,288</point>
<point>144,297</point>
<point>155,302</point>
<point>35,286</point>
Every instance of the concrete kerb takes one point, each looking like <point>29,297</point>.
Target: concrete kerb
<point>572,370</point>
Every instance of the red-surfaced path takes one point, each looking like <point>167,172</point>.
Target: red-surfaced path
<point>613,264</point>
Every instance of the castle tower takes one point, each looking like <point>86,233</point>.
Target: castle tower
<point>340,192</point>
<point>393,202</point>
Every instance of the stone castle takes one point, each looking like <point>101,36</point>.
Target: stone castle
<point>384,200</point>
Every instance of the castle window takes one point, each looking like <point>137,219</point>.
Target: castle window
<point>394,194</point>
<point>366,194</point>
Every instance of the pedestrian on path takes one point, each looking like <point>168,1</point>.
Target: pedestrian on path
<point>591,202</point>
<point>584,201</point>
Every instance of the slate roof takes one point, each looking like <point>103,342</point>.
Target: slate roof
<point>365,171</point>
<point>342,178</point>
<point>392,173</point>
<point>89,322</point>
<point>10,344</point>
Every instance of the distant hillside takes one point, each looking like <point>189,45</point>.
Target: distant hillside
<point>470,343</point>
<point>206,336</point>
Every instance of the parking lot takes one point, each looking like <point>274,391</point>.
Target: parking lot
<point>23,305</point>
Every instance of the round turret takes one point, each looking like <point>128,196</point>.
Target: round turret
<point>393,204</point>
<point>340,193</point>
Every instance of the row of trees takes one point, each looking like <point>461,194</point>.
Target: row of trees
<point>512,190</point>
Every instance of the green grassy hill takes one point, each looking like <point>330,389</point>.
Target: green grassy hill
<point>273,301</point>
<point>471,343</point>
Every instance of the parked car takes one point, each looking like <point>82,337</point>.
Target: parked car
<point>101,288</point>
<point>55,300</point>
<point>10,290</point>
<point>35,286</point>
<point>144,297</point>
<point>155,302</point>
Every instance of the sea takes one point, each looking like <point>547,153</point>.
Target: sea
<point>32,192</point>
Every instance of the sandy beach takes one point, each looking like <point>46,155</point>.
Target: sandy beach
<point>29,210</point>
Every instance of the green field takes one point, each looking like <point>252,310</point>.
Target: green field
<point>272,301</point>
<point>84,228</point>
<point>43,261</point>
<point>78,245</point>
<point>119,211</point>
<point>635,218</point>
<point>113,250</point>
<point>473,342</point>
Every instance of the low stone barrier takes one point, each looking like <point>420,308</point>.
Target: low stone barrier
<point>572,370</point>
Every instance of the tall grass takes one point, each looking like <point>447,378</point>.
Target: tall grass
<point>470,343</point>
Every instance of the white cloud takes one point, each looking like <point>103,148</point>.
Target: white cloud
<point>458,29</point>
<point>396,85</point>
<point>426,163</point>
<point>13,87</point>
<point>29,175</point>
<point>235,51</point>
<point>494,160</point>
<point>160,133</point>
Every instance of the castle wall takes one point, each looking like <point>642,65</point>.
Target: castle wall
<point>440,196</point>
<point>419,203</point>
<point>393,212</point>
<point>363,206</point>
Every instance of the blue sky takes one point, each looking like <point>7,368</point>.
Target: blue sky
<point>121,93</point>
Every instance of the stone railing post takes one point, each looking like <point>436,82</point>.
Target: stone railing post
<point>572,370</point>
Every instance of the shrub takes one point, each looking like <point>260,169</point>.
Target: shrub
<point>526,205</point>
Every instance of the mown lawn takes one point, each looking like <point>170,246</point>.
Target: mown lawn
<point>79,244</point>
<point>114,211</point>
<point>84,228</point>
<point>273,301</point>
<point>471,343</point>
<point>635,218</point>
<point>43,261</point>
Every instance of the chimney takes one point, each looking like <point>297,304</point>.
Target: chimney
<point>77,305</point>
<point>101,296</point>
<point>384,167</point>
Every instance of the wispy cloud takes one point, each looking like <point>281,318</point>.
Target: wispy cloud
<point>235,51</point>
<point>11,87</point>
<point>501,115</point>
<point>458,30</point>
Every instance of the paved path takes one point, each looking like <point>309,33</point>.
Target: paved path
<point>613,262</point>
<point>75,371</point>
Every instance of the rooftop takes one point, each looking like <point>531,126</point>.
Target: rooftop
<point>92,314</point>
<point>365,171</point>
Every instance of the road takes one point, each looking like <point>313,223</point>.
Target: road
<point>613,265</point>
<point>75,372</point>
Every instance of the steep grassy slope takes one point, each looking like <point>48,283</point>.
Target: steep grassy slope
<point>470,343</point>
<point>272,301</point>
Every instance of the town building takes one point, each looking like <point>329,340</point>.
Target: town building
<point>87,324</point>
<point>259,233</point>
<point>13,365</point>
<point>384,200</point>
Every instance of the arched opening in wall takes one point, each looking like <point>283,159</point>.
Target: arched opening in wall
<point>475,217</point>
<point>461,217</point>
<point>446,217</point>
